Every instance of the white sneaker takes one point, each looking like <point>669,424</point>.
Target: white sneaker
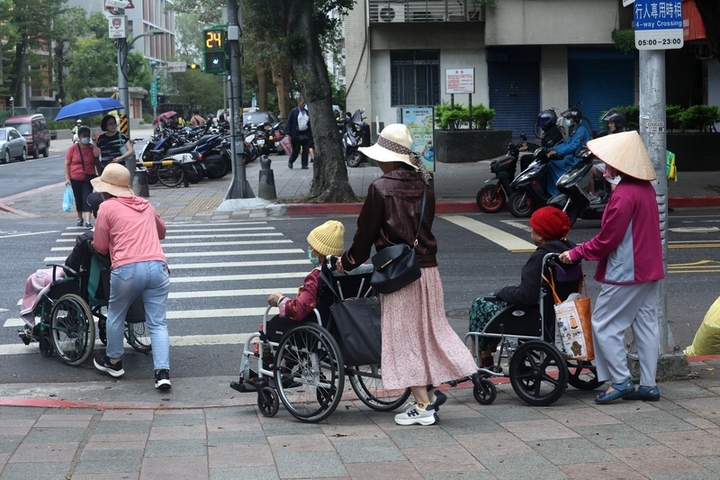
<point>595,200</point>
<point>417,416</point>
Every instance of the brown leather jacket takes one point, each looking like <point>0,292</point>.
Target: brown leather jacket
<point>390,215</point>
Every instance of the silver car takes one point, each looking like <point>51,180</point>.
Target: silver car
<point>12,145</point>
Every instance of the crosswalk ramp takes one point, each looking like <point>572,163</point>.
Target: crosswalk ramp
<point>222,274</point>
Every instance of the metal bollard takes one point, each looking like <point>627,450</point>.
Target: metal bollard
<point>140,183</point>
<point>266,178</point>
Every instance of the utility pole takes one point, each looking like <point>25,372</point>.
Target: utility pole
<point>652,37</point>
<point>239,187</point>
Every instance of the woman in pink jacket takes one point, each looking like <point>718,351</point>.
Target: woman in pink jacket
<point>129,229</point>
<point>628,250</point>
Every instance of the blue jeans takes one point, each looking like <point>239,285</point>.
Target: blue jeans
<point>151,280</point>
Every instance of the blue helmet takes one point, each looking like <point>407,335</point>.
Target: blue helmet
<point>546,118</point>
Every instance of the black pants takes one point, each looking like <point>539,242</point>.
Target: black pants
<point>81,189</point>
<point>299,142</point>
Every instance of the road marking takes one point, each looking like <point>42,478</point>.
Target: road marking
<point>230,278</point>
<point>216,313</point>
<point>245,292</point>
<point>676,246</point>
<point>203,245</point>
<point>28,234</point>
<point>259,263</point>
<point>180,341</point>
<point>525,227</point>
<point>273,252</point>
<point>495,235</point>
<point>187,237</point>
<point>695,229</point>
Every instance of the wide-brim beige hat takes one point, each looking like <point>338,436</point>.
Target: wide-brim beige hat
<point>114,180</point>
<point>394,145</point>
<point>626,152</point>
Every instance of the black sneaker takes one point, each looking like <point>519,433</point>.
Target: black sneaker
<point>437,398</point>
<point>79,222</point>
<point>88,225</point>
<point>104,364</point>
<point>162,379</point>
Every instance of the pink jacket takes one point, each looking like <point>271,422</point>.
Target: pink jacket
<point>130,229</point>
<point>628,247</point>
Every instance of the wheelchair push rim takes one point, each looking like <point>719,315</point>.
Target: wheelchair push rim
<point>538,373</point>
<point>367,383</point>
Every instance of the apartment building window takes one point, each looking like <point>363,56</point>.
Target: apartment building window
<point>415,78</point>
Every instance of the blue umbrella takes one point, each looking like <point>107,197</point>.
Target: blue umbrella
<point>87,107</point>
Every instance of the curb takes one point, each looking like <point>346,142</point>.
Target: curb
<point>451,206</point>
<point>708,201</point>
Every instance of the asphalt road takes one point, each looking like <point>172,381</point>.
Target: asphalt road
<point>222,274</point>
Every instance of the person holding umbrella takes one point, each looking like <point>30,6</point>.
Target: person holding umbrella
<point>80,164</point>
<point>112,146</point>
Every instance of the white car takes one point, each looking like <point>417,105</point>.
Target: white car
<point>12,145</point>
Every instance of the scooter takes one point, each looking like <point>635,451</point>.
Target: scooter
<point>528,188</point>
<point>492,198</point>
<point>213,156</point>
<point>574,197</point>
<point>356,134</point>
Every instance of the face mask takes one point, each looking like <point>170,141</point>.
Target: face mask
<point>568,122</point>
<point>313,260</point>
<point>85,140</point>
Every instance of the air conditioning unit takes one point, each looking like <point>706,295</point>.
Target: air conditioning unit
<point>388,12</point>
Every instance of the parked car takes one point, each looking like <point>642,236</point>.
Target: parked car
<point>257,118</point>
<point>12,145</point>
<point>34,129</point>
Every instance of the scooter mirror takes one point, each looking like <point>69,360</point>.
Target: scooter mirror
<point>522,135</point>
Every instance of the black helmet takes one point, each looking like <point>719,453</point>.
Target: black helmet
<point>616,117</point>
<point>572,113</point>
<point>546,118</point>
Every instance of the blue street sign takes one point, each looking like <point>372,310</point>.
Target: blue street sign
<point>658,24</point>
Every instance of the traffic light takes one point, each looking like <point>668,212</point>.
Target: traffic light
<point>193,66</point>
<point>158,81</point>
<point>214,46</point>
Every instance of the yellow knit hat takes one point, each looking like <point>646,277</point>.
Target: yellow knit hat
<point>327,239</point>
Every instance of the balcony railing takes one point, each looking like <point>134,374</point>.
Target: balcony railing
<point>424,11</point>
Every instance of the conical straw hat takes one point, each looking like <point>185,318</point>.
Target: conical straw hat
<point>626,152</point>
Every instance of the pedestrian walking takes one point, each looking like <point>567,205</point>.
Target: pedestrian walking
<point>80,168</point>
<point>300,132</point>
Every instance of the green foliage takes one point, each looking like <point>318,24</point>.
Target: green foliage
<point>700,117</point>
<point>624,39</point>
<point>672,116</point>
<point>454,117</point>
<point>197,90</point>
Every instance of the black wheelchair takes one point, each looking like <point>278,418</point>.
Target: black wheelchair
<point>538,370</point>
<point>307,373</point>
<point>65,311</point>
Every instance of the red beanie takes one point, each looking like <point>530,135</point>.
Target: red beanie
<point>550,222</point>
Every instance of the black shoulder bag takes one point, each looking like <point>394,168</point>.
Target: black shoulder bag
<point>397,266</point>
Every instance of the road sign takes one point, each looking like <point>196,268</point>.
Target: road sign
<point>658,24</point>
<point>153,93</point>
<point>459,80</point>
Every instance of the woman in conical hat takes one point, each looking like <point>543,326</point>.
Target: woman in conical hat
<point>628,250</point>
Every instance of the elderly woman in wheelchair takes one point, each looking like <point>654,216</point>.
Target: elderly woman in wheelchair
<point>518,322</point>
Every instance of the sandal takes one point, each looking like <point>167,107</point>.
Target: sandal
<point>626,387</point>
<point>647,394</point>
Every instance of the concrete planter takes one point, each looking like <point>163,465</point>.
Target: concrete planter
<point>470,145</point>
<point>694,152</point>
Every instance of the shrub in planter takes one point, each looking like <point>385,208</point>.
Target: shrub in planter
<point>482,116</point>
<point>673,116</point>
<point>700,117</point>
<point>455,117</point>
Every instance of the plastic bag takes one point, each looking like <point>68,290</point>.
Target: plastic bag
<point>574,327</point>
<point>68,199</point>
<point>707,337</point>
<point>670,167</point>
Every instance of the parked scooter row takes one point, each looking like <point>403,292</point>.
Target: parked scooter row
<point>355,133</point>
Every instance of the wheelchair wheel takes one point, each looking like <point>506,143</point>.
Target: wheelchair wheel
<point>268,402</point>
<point>538,373</point>
<point>308,373</point>
<point>487,394</point>
<point>368,385</point>
<point>138,336</point>
<point>72,329</point>
<point>582,375</point>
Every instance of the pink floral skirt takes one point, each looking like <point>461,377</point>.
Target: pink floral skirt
<point>419,347</point>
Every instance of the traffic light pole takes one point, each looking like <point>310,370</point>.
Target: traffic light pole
<point>239,187</point>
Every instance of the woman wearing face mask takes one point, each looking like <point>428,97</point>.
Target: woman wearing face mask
<point>323,241</point>
<point>565,151</point>
<point>80,168</point>
<point>113,146</point>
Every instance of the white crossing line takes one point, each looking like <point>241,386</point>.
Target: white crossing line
<point>245,292</point>
<point>213,225</point>
<point>175,341</point>
<point>216,313</point>
<point>203,245</point>
<point>25,234</point>
<point>504,239</point>
<point>230,278</point>
<point>271,252</point>
<point>525,227</point>
<point>259,263</point>
<point>187,237</point>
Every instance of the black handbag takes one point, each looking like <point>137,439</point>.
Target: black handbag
<point>396,266</point>
<point>355,324</point>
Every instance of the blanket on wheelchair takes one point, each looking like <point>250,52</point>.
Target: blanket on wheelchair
<point>36,287</point>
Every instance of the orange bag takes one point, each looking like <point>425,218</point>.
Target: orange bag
<point>573,329</point>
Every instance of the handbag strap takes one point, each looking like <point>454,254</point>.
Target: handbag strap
<point>82,157</point>
<point>582,289</point>
<point>422,214</point>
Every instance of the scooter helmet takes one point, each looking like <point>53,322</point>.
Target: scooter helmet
<point>573,113</point>
<point>546,118</point>
<point>78,122</point>
<point>616,117</point>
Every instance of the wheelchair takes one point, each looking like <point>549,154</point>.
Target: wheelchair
<point>538,370</point>
<point>66,309</point>
<point>307,373</point>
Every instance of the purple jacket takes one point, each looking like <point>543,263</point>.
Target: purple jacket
<point>628,247</point>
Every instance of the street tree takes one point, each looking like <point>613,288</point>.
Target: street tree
<point>67,27</point>
<point>196,89</point>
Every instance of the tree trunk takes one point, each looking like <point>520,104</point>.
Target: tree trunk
<point>710,14</point>
<point>261,72</point>
<point>280,68</point>
<point>18,71</point>
<point>60,72</point>
<point>330,179</point>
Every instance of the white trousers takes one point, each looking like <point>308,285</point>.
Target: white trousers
<point>618,308</point>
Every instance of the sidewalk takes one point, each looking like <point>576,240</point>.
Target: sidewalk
<point>201,429</point>
<point>456,185</point>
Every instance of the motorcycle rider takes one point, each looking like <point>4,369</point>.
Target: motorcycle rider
<point>615,120</point>
<point>75,129</point>
<point>551,134</point>
<point>565,151</point>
